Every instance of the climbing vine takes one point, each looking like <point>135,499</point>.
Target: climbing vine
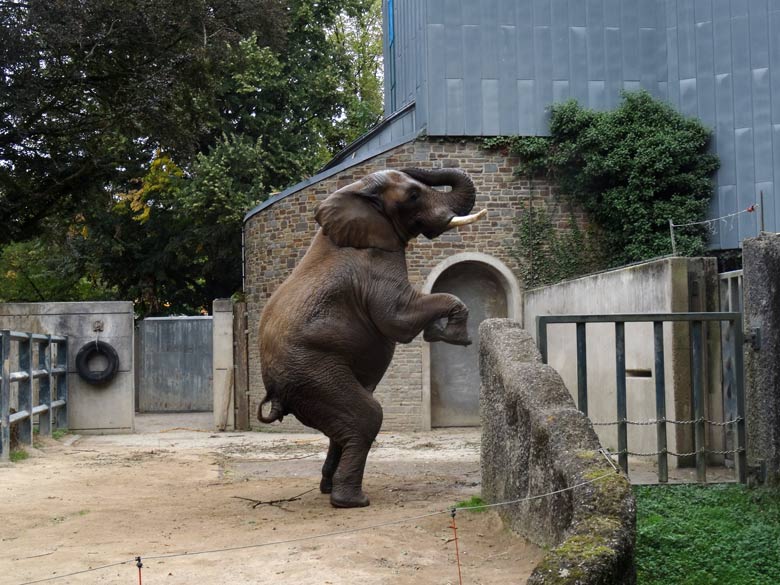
<point>631,169</point>
<point>546,254</point>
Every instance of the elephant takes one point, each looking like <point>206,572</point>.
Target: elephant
<point>328,333</point>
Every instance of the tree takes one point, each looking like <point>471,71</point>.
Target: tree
<point>84,103</point>
<point>359,35</point>
<point>38,270</point>
<point>172,140</point>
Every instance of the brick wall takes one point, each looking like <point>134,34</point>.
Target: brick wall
<point>278,237</point>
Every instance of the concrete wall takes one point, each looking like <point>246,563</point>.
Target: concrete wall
<point>277,237</point>
<point>91,409</point>
<point>661,286</point>
<point>534,441</point>
<point>761,281</point>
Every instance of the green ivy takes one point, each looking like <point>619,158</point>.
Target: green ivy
<point>547,255</point>
<point>632,169</point>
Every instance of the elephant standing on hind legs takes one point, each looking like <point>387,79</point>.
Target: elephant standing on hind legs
<point>328,333</point>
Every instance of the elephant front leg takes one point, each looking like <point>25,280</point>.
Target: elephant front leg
<point>451,329</point>
<point>330,466</point>
<point>439,316</point>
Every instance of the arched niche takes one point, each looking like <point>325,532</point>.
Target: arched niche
<point>450,392</point>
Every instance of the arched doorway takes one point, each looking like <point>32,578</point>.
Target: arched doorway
<point>451,382</point>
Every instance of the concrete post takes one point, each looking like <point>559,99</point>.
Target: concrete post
<point>761,281</point>
<point>222,375</point>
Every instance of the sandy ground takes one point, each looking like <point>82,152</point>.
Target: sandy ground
<point>84,502</point>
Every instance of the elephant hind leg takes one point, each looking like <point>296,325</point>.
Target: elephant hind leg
<point>363,427</point>
<point>329,467</point>
<point>341,408</point>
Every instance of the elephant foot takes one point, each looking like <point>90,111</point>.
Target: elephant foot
<point>326,485</point>
<point>349,499</point>
<point>455,334</point>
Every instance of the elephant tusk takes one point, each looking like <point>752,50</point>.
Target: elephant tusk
<point>466,219</point>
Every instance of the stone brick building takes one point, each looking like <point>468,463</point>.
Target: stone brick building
<point>419,389</point>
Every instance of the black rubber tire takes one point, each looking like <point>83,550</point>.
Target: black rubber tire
<point>90,350</point>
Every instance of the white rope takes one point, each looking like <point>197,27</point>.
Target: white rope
<point>329,534</point>
<point>749,209</point>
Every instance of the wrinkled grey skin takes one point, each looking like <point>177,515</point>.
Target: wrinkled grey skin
<point>328,333</point>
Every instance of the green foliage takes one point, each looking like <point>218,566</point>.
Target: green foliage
<point>633,169</point>
<point>133,163</point>
<point>18,455</point>
<point>475,502</point>
<point>358,34</point>
<point>57,434</point>
<point>547,255</point>
<point>701,535</point>
<point>39,270</point>
<point>92,88</point>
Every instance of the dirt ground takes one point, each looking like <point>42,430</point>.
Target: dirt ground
<point>85,502</point>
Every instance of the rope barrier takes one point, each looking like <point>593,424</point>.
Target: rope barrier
<point>90,570</point>
<point>711,223</point>
<point>664,420</point>
<point>674,454</point>
<point>749,209</point>
<point>322,535</point>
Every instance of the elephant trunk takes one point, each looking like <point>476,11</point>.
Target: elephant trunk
<point>463,194</point>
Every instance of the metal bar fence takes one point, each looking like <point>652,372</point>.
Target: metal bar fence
<point>737,423</point>
<point>51,409</point>
<point>730,300</point>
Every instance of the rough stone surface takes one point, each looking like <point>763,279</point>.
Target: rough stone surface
<point>535,441</point>
<point>761,282</point>
<point>276,239</point>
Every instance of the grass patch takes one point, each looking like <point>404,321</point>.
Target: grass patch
<point>473,502</point>
<point>18,455</point>
<point>59,433</point>
<point>702,535</point>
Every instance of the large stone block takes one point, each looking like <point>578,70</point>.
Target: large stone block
<point>534,441</point>
<point>761,282</point>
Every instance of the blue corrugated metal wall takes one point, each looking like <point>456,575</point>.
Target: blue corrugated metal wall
<point>493,67</point>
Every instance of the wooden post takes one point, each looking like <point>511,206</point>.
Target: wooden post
<point>5,395</point>
<point>241,366</point>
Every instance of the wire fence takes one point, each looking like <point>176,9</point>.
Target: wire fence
<point>653,422</point>
<point>449,511</point>
<point>666,420</point>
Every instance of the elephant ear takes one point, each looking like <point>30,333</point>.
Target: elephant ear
<point>352,217</point>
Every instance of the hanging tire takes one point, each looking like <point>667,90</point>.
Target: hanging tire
<point>89,351</point>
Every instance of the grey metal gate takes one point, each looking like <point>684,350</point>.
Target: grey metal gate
<point>730,300</point>
<point>699,421</point>
<point>174,360</point>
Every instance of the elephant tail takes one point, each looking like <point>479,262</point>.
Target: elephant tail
<point>276,412</point>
